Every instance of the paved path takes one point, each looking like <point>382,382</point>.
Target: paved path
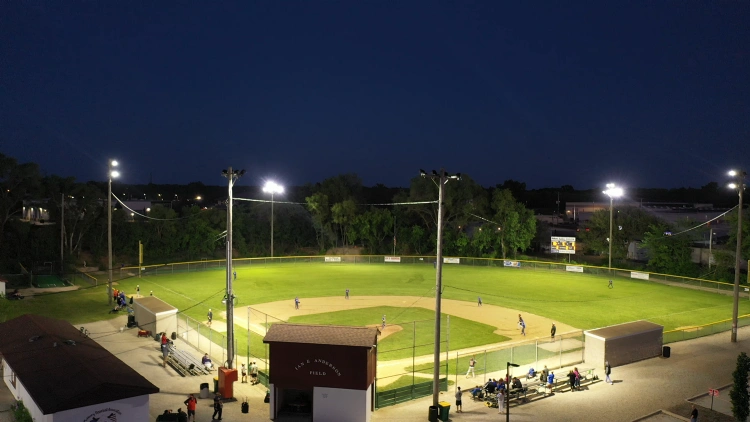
<point>640,389</point>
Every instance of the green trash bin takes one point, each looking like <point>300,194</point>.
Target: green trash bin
<point>216,385</point>
<point>444,407</point>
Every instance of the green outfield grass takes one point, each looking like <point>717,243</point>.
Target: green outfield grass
<point>420,333</point>
<point>580,300</point>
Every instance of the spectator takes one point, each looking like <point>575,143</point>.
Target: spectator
<point>578,378</point>
<point>254,373</point>
<point>517,383</point>
<point>500,401</point>
<point>572,380</point>
<point>531,374</point>
<point>608,372</point>
<point>551,381</point>
<point>545,374</point>
<point>476,392</point>
<point>191,403</point>
<point>164,348</point>
<point>243,371</point>
<point>206,361</point>
<point>458,394</point>
<point>694,414</point>
<point>490,386</point>
<point>181,416</point>
<point>218,406</point>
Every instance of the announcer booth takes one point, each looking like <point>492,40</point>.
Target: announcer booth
<point>155,315</point>
<point>327,372</point>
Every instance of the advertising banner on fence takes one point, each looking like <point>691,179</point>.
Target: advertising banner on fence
<point>574,268</point>
<point>452,260</point>
<point>392,259</point>
<point>516,264</point>
<point>333,259</point>
<point>642,276</point>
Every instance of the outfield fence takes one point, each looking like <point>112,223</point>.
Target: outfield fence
<point>504,264</point>
<point>688,333</point>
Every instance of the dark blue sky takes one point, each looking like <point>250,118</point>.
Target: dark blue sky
<point>649,94</point>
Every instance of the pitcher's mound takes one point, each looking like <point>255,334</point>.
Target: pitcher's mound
<point>388,330</point>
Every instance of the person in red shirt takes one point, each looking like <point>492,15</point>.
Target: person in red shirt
<point>191,402</point>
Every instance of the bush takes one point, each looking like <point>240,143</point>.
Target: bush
<point>21,413</point>
<point>739,395</point>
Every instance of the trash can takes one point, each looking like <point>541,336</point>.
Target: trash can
<point>216,385</point>
<point>204,390</point>
<point>444,408</point>
<point>666,351</point>
<point>432,416</point>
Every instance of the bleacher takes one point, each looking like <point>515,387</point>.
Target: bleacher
<point>185,363</point>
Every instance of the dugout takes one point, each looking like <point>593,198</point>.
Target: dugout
<point>624,343</point>
<point>327,372</point>
<point>155,315</point>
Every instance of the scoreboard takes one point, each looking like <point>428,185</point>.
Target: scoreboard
<point>563,245</point>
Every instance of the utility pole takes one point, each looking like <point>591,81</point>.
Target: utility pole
<point>62,231</point>
<point>739,184</point>
<point>441,179</point>
<point>232,176</point>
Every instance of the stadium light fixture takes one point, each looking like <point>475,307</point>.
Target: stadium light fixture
<point>739,184</point>
<point>440,180</point>
<point>272,188</point>
<point>613,192</point>
<point>111,174</point>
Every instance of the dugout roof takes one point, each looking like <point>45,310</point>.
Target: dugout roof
<point>334,335</point>
<point>155,305</point>
<point>61,369</point>
<point>624,330</point>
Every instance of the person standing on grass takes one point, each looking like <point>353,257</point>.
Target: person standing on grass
<point>608,372</point>
<point>553,331</point>
<point>458,399</point>
<point>296,302</point>
<point>694,415</point>
<point>383,321</point>
<point>210,316</point>
<point>138,290</point>
<point>479,301</point>
<point>610,285</point>
<point>472,363</point>
<point>346,294</point>
<point>234,273</point>
<point>191,403</point>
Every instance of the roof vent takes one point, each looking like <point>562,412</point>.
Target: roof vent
<point>70,342</point>
<point>34,338</point>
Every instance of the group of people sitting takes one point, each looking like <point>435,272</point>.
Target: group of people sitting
<point>493,386</point>
<point>121,302</point>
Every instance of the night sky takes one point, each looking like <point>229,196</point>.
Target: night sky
<point>645,93</point>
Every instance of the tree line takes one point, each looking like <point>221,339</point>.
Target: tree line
<point>188,222</point>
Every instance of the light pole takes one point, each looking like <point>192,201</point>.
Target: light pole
<point>111,173</point>
<point>739,184</point>
<point>272,188</point>
<point>613,192</point>
<point>507,389</point>
<point>232,176</point>
<point>441,179</point>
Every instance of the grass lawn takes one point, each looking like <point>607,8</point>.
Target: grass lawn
<point>399,345</point>
<point>580,300</point>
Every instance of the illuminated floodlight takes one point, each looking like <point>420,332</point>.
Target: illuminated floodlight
<point>732,186</point>
<point>113,163</point>
<point>115,174</point>
<point>273,187</point>
<point>613,191</point>
<point>732,173</point>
